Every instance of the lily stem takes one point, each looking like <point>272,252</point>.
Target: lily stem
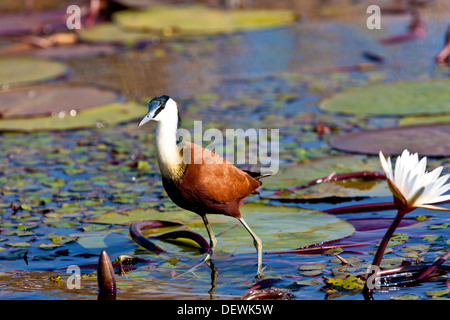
<point>384,242</point>
<point>381,248</point>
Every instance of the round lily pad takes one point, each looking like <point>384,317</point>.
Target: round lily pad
<point>200,20</point>
<point>279,227</point>
<point>24,70</point>
<point>399,98</point>
<point>27,22</point>
<point>94,117</point>
<point>296,175</point>
<point>431,140</point>
<point>48,100</point>
<point>79,50</point>
<point>111,33</point>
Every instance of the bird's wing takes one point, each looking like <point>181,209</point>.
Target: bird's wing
<point>217,178</point>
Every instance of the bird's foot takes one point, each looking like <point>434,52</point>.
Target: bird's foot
<point>207,260</point>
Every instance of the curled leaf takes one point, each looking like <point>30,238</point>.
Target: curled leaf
<point>186,234</point>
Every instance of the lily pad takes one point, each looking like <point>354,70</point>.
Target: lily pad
<point>22,71</point>
<point>94,117</point>
<point>424,120</point>
<point>28,22</point>
<point>200,20</point>
<point>279,227</point>
<point>112,33</point>
<point>431,140</point>
<point>400,98</point>
<point>58,100</point>
<point>301,173</point>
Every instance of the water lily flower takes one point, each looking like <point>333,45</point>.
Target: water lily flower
<point>414,187</point>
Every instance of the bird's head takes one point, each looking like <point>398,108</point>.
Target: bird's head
<point>161,108</point>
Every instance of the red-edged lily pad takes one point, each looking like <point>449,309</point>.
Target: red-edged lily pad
<point>428,140</point>
<point>40,101</point>
<point>32,22</point>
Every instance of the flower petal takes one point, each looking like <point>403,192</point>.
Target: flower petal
<point>415,196</point>
<point>386,165</point>
<point>435,208</point>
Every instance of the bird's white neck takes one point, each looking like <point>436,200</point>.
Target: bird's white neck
<point>167,149</point>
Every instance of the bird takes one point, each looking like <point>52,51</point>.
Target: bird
<point>197,179</point>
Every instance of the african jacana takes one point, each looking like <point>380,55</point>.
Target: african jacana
<point>206,185</point>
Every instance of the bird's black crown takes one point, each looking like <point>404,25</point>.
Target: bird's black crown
<point>162,99</point>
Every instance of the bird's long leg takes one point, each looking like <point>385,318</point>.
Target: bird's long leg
<point>258,245</point>
<point>212,246</point>
<point>212,238</point>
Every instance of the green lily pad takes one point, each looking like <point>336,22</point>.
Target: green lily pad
<point>437,293</point>
<point>301,173</point>
<point>23,71</point>
<point>428,140</point>
<point>18,244</point>
<point>279,227</point>
<point>346,283</point>
<point>200,20</point>
<point>59,100</point>
<point>94,117</point>
<point>112,33</point>
<point>405,121</point>
<point>406,296</point>
<point>399,98</point>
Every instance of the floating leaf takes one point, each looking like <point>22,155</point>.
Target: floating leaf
<point>186,19</point>
<point>406,296</point>
<point>279,227</point>
<point>427,140</point>
<point>424,120</point>
<point>399,98</point>
<point>49,246</point>
<point>301,173</point>
<point>18,244</point>
<point>59,100</point>
<point>437,293</point>
<point>20,71</point>
<point>290,176</point>
<point>112,33</point>
<point>438,226</point>
<point>348,283</point>
<point>61,239</point>
<point>368,224</point>
<point>397,239</point>
<point>93,117</point>
<point>29,21</point>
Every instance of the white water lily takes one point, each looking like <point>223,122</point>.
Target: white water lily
<point>414,187</point>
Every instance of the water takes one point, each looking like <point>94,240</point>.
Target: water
<point>266,79</point>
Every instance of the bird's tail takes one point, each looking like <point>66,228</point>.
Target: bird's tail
<point>257,176</point>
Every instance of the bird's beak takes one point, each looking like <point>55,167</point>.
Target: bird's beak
<point>153,106</point>
<point>147,118</point>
